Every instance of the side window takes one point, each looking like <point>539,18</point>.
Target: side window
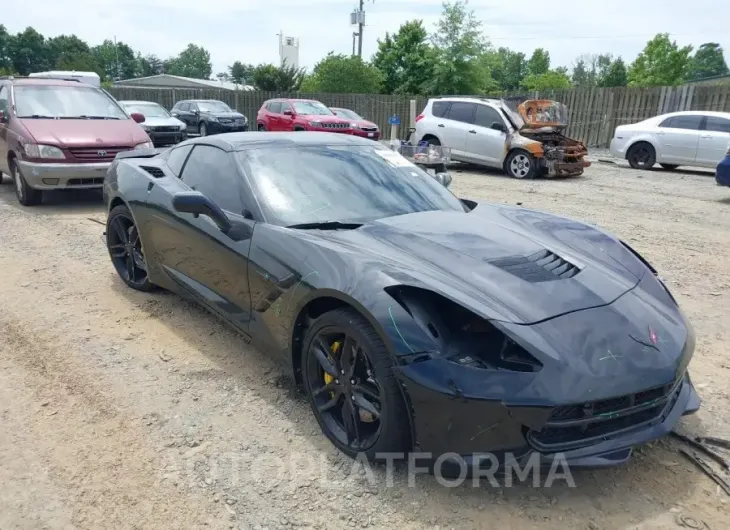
<point>667,122</point>
<point>463,112</point>
<point>714,123</point>
<point>184,106</point>
<point>211,171</point>
<point>275,107</point>
<point>4,97</point>
<point>176,158</point>
<point>485,116</point>
<point>193,107</point>
<point>689,121</point>
<point>439,108</point>
<point>285,106</point>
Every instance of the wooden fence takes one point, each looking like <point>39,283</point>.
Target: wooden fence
<point>594,112</point>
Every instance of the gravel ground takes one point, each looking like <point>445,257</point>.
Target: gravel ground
<point>127,410</point>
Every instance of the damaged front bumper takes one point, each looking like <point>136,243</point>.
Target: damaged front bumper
<point>556,168</point>
<point>446,422</point>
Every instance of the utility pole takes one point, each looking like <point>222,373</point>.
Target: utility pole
<point>116,50</point>
<point>360,26</point>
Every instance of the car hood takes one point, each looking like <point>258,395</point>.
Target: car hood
<point>365,123</point>
<point>232,115</point>
<point>324,118</point>
<point>162,122</point>
<point>466,257</point>
<point>83,133</point>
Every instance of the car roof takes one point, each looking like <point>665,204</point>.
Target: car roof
<point>696,113</point>
<point>20,81</point>
<point>241,141</point>
<point>467,100</point>
<point>138,102</point>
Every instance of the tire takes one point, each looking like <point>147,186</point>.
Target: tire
<point>202,129</point>
<point>133,273</point>
<point>641,156</point>
<point>669,167</point>
<point>262,127</point>
<point>299,129</point>
<point>520,165</point>
<point>26,195</point>
<point>373,369</point>
<point>432,140</point>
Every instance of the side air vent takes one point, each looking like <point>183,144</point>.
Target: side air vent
<point>542,266</point>
<point>154,171</point>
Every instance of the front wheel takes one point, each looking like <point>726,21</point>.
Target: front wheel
<point>520,165</point>
<point>641,156</point>
<point>203,129</point>
<point>669,167</point>
<point>262,127</point>
<point>26,195</point>
<point>125,249</point>
<point>349,381</point>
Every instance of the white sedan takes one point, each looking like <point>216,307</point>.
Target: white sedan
<point>690,138</point>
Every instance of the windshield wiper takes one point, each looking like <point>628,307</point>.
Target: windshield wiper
<point>38,117</point>
<point>326,225</point>
<point>87,117</point>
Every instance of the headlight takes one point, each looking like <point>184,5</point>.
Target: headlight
<point>43,151</point>
<point>145,145</point>
<point>354,126</point>
<point>183,126</point>
<point>315,123</point>
<point>145,126</point>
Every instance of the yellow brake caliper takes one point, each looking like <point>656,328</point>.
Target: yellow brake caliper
<point>327,377</point>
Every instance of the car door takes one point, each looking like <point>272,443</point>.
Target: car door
<point>274,116</point>
<point>483,143</point>
<point>182,113</point>
<point>209,264</point>
<point>679,137</point>
<point>192,114</point>
<point>4,125</point>
<point>459,120</point>
<point>714,141</point>
<point>287,121</point>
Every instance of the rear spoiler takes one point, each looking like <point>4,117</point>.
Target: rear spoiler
<point>140,153</point>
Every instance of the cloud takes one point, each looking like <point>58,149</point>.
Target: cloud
<point>247,30</point>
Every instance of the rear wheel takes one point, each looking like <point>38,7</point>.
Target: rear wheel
<point>26,195</point>
<point>125,249</point>
<point>669,167</point>
<point>641,156</point>
<point>432,140</point>
<point>348,378</point>
<point>520,165</point>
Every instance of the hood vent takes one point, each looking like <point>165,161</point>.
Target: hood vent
<point>154,171</point>
<point>542,266</point>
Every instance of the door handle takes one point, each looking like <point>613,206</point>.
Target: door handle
<point>708,136</point>
<point>441,125</point>
<point>473,131</point>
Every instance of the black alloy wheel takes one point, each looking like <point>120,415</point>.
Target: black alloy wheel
<point>125,249</point>
<point>348,378</point>
<point>642,156</point>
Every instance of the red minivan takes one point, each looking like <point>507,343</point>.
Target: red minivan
<point>61,134</point>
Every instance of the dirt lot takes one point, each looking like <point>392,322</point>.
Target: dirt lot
<point>125,410</point>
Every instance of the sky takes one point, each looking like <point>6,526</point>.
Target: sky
<point>246,30</point>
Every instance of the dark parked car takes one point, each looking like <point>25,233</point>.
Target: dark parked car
<point>61,134</point>
<point>209,116</point>
<point>722,173</point>
<point>360,126</point>
<point>410,317</point>
<point>300,115</point>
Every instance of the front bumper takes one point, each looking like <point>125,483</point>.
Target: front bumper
<point>722,173</point>
<point>373,135</point>
<point>216,127</point>
<point>53,176</point>
<point>446,424</point>
<point>166,138</point>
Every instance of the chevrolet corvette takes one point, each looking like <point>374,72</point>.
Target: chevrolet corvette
<point>413,320</point>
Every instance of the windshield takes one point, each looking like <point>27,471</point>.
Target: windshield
<point>148,110</point>
<point>314,108</point>
<point>57,101</point>
<point>359,184</point>
<point>213,106</point>
<point>347,114</point>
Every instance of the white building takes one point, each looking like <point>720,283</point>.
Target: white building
<point>288,50</point>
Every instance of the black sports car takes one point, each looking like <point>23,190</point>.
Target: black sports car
<point>413,320</point>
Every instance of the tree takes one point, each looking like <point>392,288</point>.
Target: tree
<point>193,61</point>
<point>344,74</point>
<point>507,68</point>
<point>150,65</point>
<point>539,62</point>
<point>405,59</point>
<point>28,52</point>
<point>6,63</point>
<point>661,63</point>
<point>241,73</point>
<point>115,61</point>
<point>587,69</point>
<point>709,61</point>
<point>68,52</point>
<point>460,67</point>
<point>615,74</point>
<point>272,78</point>
<point>553,80</point>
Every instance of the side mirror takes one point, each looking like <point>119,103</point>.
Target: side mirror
<point>444,179</point>
<point>3,117</point>
<point>197,204</point>
<point>196,112</point>
<point>288,112</point>
<point>498,126</point>
<point>136,116</point>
